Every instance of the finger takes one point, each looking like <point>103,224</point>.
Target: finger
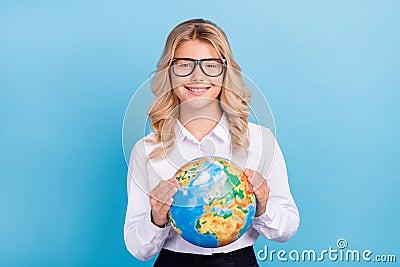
<point>167,184</point>
<point>258,184</point>
<point>166,187</point>
<point>253,177</point>
<point>162,188</point>
<point>249,172</point>
<point>159,206</point>
<point>257,180</point>
<point>262,193</point>
<point>173,181</point>
<point>165,195</point>
<point>165,207</point>
<point>250,188</point>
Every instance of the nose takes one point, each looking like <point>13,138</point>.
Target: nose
<point>197,74</point>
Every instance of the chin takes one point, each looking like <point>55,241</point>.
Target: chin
<point>200,102</point>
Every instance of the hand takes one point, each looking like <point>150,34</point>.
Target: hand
<point>161,200</point>
<point>259,186</point>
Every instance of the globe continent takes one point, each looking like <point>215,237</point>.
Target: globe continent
<point>212,207</point>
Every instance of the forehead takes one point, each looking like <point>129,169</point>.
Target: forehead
<point>196,49</point>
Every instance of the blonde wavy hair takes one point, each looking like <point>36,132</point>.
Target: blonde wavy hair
<point>234,96</point>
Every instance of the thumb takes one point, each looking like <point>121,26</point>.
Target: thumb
<point>173,180</point>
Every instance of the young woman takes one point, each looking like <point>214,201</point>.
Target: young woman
<point>201,109</point>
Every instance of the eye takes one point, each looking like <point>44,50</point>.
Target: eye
<point>211,65</point>
<point>183,65</point>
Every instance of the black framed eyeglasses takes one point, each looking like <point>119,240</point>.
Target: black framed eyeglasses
<point>212,67</point>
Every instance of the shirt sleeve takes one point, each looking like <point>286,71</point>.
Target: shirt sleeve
<point>281,218</point>
<point>143,239</point>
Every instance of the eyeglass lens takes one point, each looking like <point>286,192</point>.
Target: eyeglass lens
<point>210,67</point>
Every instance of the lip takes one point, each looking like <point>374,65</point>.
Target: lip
<point>197,90</point>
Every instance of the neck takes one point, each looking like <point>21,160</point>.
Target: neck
<point>198,119</point>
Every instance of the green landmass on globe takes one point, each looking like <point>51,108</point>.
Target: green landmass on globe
<point>212,207</point>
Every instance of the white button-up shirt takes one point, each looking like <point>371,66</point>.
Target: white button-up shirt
<point>280,221</point>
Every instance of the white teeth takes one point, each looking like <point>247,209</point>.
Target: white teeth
<point>197,90</point>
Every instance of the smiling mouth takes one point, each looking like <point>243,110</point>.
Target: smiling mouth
<point>197,89</point>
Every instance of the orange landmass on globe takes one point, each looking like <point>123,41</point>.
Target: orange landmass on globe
<point>226,227</point>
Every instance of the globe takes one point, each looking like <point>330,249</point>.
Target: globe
<point>212,207</point>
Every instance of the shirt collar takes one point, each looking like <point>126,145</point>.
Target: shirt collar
<point>221,131</point>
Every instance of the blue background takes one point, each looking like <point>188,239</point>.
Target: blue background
<point>68,69</point>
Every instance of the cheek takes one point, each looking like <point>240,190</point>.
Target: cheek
<point>178,81</point>
<point>178,91</point>
<point>216,81</point>
<point>216,91</point>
